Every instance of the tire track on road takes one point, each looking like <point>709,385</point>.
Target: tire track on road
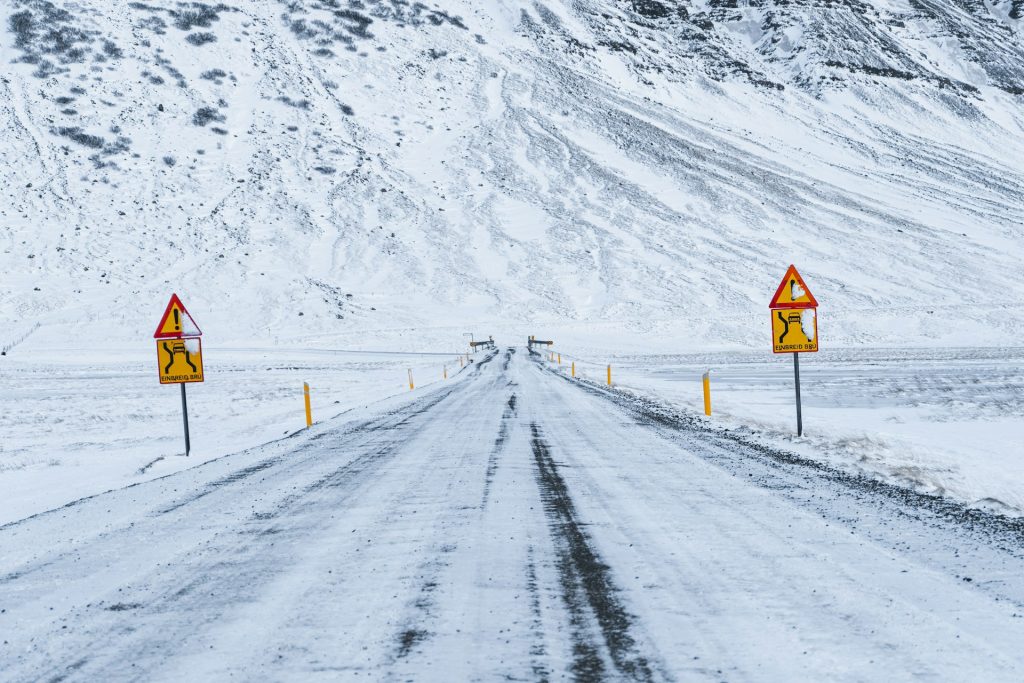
<point>499,447</point>
<point>588,588</point>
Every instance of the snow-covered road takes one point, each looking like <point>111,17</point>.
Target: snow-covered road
<point>512,525</point>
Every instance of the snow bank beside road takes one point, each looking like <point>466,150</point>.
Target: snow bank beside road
<point>942,421</point>
<point>76,422</point>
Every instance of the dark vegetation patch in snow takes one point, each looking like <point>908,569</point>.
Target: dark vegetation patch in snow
<point>184,16</point>
<point>198,39</point>
<point>214,75</point>
<point>205,115</point>
<point>328,23</point>
<point>298,104</point>
<point>197,15</point>
<point>168,68</point>
<point>154,24</point>
<point>187,15</point>
<point>111,50</point>
<point>651,9</point>
<point>104,149</point>
<point>52,39</point>
<point>76,134</point>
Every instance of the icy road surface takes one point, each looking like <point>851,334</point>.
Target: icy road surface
<point>512,525</point>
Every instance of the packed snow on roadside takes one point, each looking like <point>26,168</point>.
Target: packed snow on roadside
<point>942,421</point>
<point>77,421</point>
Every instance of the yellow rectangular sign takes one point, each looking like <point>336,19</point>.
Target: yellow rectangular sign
<point>179,360</point>
<point>795,330</point>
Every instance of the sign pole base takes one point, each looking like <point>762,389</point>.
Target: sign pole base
<point>796,379</point>
<point>184,416</point>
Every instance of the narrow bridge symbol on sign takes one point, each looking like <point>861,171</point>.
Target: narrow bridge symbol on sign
<point>795,331</point>
<point>179,360</point>
<point>174,348</point>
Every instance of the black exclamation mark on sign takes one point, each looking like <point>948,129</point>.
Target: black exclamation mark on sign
<point>177,322</point>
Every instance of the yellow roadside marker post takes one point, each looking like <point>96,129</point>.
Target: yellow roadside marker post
<point>609,375</point>
<point>559,358</point>
<point>309,410</point>
<point>411,385</point>
<point>574,368</point>
<point>707,393</point>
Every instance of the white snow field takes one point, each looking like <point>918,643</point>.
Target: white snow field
<point>512,525</point>
<point>341,190</point>
<point>76,422</point>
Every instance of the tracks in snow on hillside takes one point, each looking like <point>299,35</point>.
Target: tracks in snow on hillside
<point>511,524</point>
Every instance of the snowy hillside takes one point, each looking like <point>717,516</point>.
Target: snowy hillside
<point>327,167</point>
<point>344,191</point>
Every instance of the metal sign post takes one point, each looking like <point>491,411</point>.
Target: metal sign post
<point>184,416</point>
<point>799,409</point>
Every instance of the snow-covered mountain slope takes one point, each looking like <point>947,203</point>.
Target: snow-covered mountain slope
<point>327,167</point>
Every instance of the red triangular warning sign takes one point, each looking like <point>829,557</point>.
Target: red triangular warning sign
<point>176,323</point>
<point>793,292</point>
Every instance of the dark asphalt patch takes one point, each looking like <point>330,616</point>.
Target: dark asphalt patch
<point>408,640</point>
<point>414,631</point>
<point>499,446</point>
<point>485,361</point>
<point>538,651</point>
<point>588,588</point>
